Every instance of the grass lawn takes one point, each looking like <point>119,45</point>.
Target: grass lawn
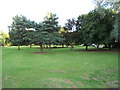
<point>59,68</point>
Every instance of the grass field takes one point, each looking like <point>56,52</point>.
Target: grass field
<point>59,68</point>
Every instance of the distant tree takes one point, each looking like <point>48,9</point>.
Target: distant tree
<point>3,38</point>
<point>70,38</point>
<point>64,33</point>
<point>7,41</point>
<point>70,25</point>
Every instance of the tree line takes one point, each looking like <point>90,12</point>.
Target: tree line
<point>99,26</point>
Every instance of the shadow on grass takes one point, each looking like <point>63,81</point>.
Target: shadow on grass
<point>40,52</point>
<point>98,50</point>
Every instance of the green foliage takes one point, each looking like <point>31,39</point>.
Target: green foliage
<point>115,33</point>
<point>17,30</point>
<point>83,25</point>
<point>95,27</point>
<point>28,37</point>
<point>69,37</point>
<point>21,31</point>
<point>70,25</point>
<point>26,32</point>
<point>115,6</point>
<point>98,26</point>
<point>4,38</point>
<point>50,23</point>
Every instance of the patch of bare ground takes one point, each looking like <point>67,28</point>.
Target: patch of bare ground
<point>51,47</point>
<point>80,83</point>
<point>112,84</point>
<point>6,77</point>
<point>56,71</point>
<point>85,77</point>
<point>63,81</point>
<point>70,69</point>
<point>39,52</point>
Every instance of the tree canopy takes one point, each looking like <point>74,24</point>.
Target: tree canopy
<point>99,26</point>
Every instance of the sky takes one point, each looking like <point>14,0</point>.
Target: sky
<point>37,9</point>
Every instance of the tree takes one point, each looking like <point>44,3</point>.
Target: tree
<point>39,37</point>
<point>65,34</point>
<point>3,38</point>
<point>95,27</point>
<point>17,30</point>
<point>115,33</point>
<point>23,31</point>
<point>44,37</point>
<point>103,27</point>
<point>113,6</point>
<point>50,25</point>
<point>70,38</point>
<point>30,29</point>
<point>70,25</point>
<point>83,25</point>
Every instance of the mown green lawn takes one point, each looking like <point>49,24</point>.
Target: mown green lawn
<point>59,68</point>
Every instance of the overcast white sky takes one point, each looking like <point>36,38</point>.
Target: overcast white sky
<point>37,10</point>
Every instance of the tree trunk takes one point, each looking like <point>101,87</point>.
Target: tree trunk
<point>72,46</point>
<point>41,48</point>
<point>46,46</point>
<point>109,45</point>
<point>62,45</point>
<point>86,47</point>
<point>105,45</point>
<point>18,47</point>
<point>49,47</point>
<point>97,46</point>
